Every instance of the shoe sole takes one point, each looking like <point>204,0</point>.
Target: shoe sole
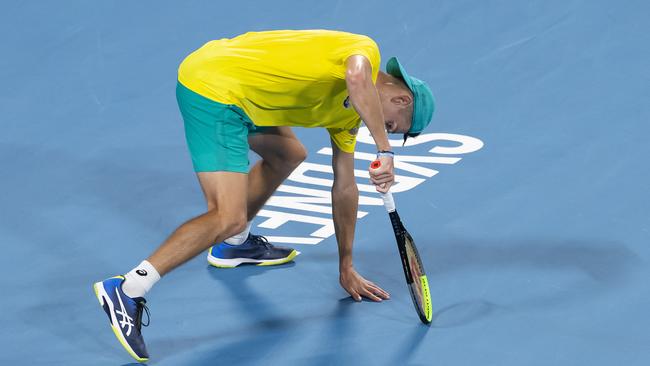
<point>232,263</point>
<point>103,298</point>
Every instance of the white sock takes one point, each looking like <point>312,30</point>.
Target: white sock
<point>241,237</point>
<point>140,280</point>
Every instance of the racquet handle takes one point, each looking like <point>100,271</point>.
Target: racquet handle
<point>389,202</point>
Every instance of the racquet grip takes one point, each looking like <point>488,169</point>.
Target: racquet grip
<point>389,202</point>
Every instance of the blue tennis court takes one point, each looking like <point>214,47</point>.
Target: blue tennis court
<point>527,195</point>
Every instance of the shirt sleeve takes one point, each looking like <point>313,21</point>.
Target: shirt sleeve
<point>345,138</point>
<point>355,44</point>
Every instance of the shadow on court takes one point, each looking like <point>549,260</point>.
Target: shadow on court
<point>462,313</point>
<point>556,273</point>
<point>604,262</point>
<point>264,331</point>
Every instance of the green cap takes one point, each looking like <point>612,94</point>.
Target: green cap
<point>423,102</point>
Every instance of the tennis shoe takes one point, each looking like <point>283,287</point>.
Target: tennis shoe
<point>125,315</point>
<point>255,250</point>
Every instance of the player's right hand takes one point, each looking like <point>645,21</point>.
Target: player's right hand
<point>359,287</point>
<point>383,176</point>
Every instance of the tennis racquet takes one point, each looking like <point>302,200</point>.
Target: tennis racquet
<point>416,278</point>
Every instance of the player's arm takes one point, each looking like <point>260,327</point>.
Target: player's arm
<point>345,202</point>
<point>365,99</point>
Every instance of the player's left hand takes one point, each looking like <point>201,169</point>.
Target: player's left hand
<point>359,287</point>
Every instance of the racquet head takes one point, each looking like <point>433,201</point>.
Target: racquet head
<point>419,288</point>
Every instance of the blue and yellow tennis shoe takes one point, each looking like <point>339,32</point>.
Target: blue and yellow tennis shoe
<point>256,250</point>
<point>124,314</point>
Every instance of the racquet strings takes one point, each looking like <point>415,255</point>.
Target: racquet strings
<point>420,284</point>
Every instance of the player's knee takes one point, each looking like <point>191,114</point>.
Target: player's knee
<point>227,224</point>
<point>295,155</point>
<point>300,154</point>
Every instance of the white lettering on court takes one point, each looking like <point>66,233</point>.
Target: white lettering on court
<point>308,188</point>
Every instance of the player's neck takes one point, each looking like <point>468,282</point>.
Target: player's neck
<point>386,81</point>
<point>383,78</point>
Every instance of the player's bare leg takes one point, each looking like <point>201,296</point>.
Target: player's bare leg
<point>122,297</point>
<point>281,153</point>
<point>225,193</point>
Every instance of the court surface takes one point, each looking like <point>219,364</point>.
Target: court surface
<point>529,200</point>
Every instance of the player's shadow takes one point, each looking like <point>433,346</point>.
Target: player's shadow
<point>258,310</point>
<point>267,328</point>
<point>599,265</point>
<point>409,345</point>
<point>462,313</point>
<point>337,336</point>
<point>566,271</point>
<point>262,325</point>
<point>605,262</point>
<point>341,331</point>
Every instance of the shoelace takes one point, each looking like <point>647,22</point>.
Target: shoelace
<point>138,319</point>
<point>259,239</point>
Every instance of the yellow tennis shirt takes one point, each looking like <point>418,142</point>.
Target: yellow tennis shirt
<point>283,78</point>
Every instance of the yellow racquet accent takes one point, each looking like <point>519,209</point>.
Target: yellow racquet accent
<point>426,298</point>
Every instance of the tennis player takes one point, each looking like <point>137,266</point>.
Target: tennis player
<point>245,93</point>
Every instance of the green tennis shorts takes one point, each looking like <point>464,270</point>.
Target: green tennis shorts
<point>216,133</point>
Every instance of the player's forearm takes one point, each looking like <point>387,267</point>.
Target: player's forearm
<point>345,202</point>
<point>365,99</point>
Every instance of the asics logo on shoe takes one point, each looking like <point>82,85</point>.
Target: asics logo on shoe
<point>126,320</point>
<point>141,272</point>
